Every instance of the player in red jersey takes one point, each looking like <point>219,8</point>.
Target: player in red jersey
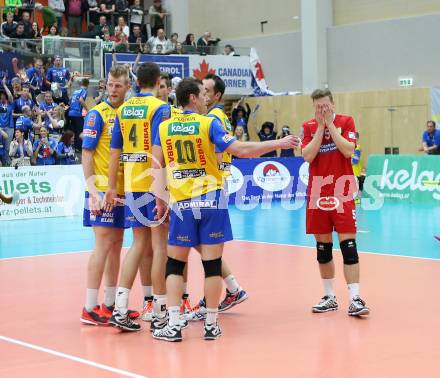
<point>328,143</point>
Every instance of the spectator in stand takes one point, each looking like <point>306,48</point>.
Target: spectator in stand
<point>27,24</point>
<point>44,149</point>
<point>3,155</point>
<point>108,45</point>
<point>59,74</point>
<point>49,16</point>
<point>8,26</point>
<point>25,99</point>
<point>6,120</point>
<point>20,150</point>
<point>36,78</point>
<point>122,26</point>
<point>120,40</point>
<point>157,17</point>
<point>25,123</point>
<point>431,139</point>
<point>66,149</point>
<point>286,153</point>
<point>122,7</point>
<point>19,33</point>
<point>93,11</point>
<point>47,106</point>
<point>101,93</point>
<point>136,39</point>
<point>90,33</point>
<point>57,122</point>
<point>75,10</point>
<point>108,7</point>
<point>174,39</point>
<point>36,32</point>
<point>190,44</point>
<point>16,88</point>
<point>205,42</point>
<point>59,97</point>
<point>229,50</point>
<point>240,116</point>
<point>103,25</point>
<point>240,134</point>
<point>77,103</point>
<point>136,15</point>
<point>267,132</point>
<point>179,49</point>
<point>53,45</point>
<point>59,8</point>
<point>160,40</point>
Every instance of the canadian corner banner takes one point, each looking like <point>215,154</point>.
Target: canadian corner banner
<point>413,179</point>
<point>264,180</point>
<point>44,191</point>
<point>234,70</point>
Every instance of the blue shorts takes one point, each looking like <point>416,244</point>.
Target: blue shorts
<point>201,220</point>
<point>115,218</point>
<point>139,209</point>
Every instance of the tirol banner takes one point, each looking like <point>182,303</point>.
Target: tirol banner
<point>404,178</point>
<point>234,70</point>
<point>264,180</point>
<point>43,191</point>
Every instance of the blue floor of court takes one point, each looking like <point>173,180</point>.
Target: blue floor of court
<point>405,230</point>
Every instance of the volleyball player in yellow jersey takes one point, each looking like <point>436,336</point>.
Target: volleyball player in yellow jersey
<point>108,226</point>
<point>215,89</point>
<point>136,125</point>
<point>186,146</point>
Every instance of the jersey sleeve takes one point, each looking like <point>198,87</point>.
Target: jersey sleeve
<point>93,125</point>
<point>49,75</point>
<point>356,156</point>
<point>35,146</point>
<point>349,130</point>
<point>156,141</point>
<point>425,137</point>
<point>219,136</point>
<point>437,138</point>
<point>214,116</point>
<point>306,135</point>
<point>162,113</point>
<point>84,94</point>
<point>117,141</point>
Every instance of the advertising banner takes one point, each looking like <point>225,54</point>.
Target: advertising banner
<point>413,179</point>
<point>264,180</point>
<point>44,191</point>
<point>234,70</point>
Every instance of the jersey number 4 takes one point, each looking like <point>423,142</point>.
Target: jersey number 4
<point>132,135</point>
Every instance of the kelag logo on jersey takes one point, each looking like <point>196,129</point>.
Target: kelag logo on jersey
<point>134,112</point>
<point>184,128</point>
<point>271,176</point>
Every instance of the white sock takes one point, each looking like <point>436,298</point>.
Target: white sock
<point>354,290</point>
<point>328,286</point>
<point>91,299</point>
<point>231,283</point>
<point>109,295</point>
<point>211,315</point>
<point>148,291</point>
<point>160,305</point>
<point>185,288</point>
<point>174,316</point>
<point>121,302</point>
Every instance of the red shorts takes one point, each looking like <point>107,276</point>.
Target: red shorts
<point>327,214</point>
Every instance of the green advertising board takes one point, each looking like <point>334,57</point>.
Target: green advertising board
<point>409,178</point>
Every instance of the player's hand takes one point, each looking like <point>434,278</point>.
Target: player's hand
<point>319,116</point>
<point>288,142</point>
<point>327,113</point>
<point>95,204</point>
<point>161,211</point>
<point>110,199</point>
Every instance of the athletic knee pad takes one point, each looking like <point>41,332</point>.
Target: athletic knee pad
<point>324,254</point>
<point>349,251</point>
<point>212,267</point>
<point>175,267</point>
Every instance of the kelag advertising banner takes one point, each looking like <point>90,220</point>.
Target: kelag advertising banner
<point>404,178</point>
<point>235,71</point>
<point>263,180</point>
<point>44,191</point>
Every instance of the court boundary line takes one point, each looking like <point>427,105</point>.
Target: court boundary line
<point>235,240</point>
<point>71,357</point>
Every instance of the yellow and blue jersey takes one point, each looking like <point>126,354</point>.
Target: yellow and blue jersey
<point>175,111</point>
<point>218,112</point>
<point>75,107</point>
<point>97,134</point>
<point>189,143</point>
<point>356,161</point>
<point>136,126</point>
